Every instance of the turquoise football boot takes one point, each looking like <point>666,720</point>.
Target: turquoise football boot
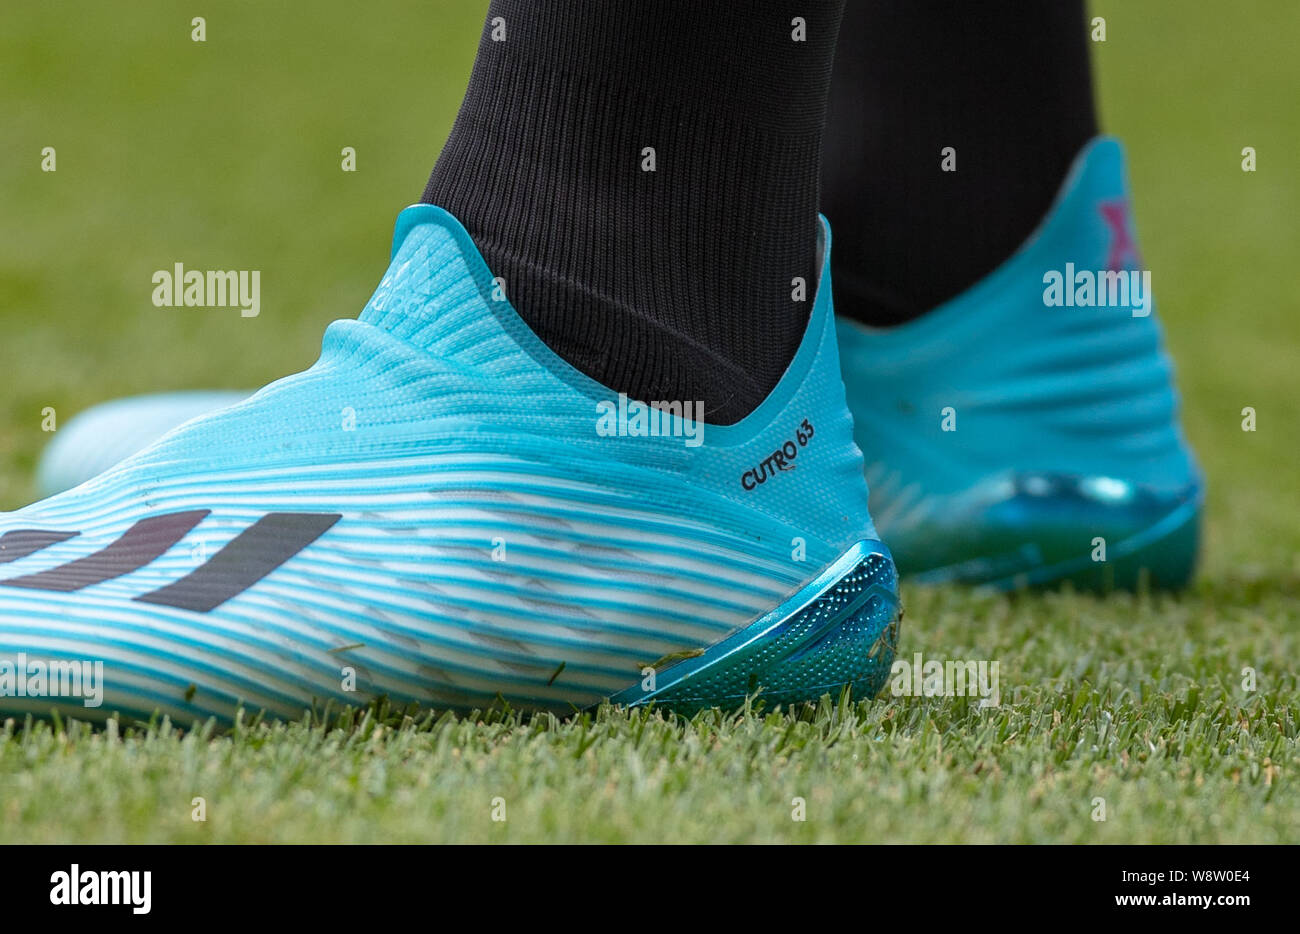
<point>102,436</point>
<point>1026,432</point>
<point>443,512</point>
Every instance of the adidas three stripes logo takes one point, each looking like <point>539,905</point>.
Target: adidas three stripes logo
<point>246,559</point>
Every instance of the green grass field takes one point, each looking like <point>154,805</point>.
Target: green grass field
<point>226,154</point>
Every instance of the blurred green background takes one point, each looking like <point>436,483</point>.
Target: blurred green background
<point>226,154</point>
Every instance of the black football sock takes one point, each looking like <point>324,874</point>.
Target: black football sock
<point>1007,86</point>
<point>644,174</point>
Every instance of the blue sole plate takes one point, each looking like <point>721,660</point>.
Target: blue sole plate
<point>840,629</point>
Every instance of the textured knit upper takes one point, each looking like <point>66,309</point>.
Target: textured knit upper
<point>432,507</point>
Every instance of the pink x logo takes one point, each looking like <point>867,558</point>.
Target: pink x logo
<point>1123,248</point>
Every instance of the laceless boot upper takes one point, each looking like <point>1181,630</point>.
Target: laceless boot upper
<point>445,512</point>
<point>108,433</point>
<point>1011,428</point>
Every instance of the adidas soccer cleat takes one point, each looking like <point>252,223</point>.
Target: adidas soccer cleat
<point>107,434</point>
<point>1027,430</point>
<point>442,511</point>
